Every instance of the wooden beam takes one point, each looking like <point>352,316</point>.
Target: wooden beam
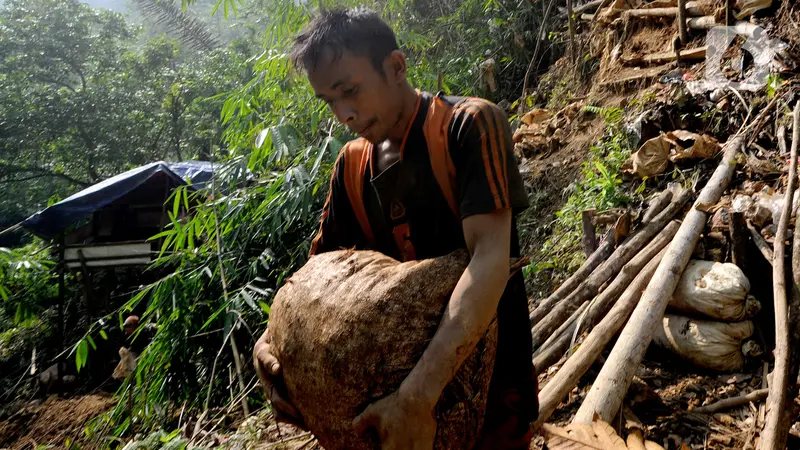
<point>666,57</point>
<point>692,9</point>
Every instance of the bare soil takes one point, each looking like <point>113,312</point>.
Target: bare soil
<point>52,422</point>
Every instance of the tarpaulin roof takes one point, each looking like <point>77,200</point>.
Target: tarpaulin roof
<point>56,218</point>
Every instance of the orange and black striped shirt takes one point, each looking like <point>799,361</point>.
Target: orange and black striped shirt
<point>405,214</point>
<point>485,178</point>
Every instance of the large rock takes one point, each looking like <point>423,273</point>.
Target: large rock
<point>350,325</point>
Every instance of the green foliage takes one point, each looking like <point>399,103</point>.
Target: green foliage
<point>611,115</point>
<point>81,100</point>
<point>774,82</point>
<point>26,283</point>
<point>599,187</point>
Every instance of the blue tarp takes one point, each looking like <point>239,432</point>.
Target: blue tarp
<point>58,217</point>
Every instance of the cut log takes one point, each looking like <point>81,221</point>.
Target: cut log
<point>760,242</point>
<point>601,254</point>
<point>605,271</point>
<point>781,137</point>
<point>571,372</point>
<point>692,9</point>
<point>773,436</point>
<point>598,307</point>
<point>733,402</point>
<point>665,57</point>
<point>737,227</point>
<point>657,205</point>
<point>605,396</point>
<point>701,23</point>
<point>565,330</point>
<point>589,235</point>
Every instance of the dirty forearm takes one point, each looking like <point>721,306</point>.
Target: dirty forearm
<point>471,308</point>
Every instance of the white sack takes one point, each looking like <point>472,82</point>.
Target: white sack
<point>713,345</point>
<point>714,290</point>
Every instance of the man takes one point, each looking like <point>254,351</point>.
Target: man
<point>135,345</point>
<point>388,193</point>
<point>137,342</point>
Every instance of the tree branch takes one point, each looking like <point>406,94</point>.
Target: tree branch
<point>37,172</point>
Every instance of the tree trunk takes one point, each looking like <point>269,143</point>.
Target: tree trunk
<point>774,436</point>
<point>552,352</point>
<point>612,266</point>
<point>571,372</point>
<point>600,255</point>
<point>608,390</point>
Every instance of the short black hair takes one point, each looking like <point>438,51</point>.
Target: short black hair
<point>359,31</point>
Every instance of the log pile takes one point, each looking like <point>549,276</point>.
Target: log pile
<point>641,288</point>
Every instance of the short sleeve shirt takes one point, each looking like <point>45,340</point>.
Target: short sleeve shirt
<point>487,179</point>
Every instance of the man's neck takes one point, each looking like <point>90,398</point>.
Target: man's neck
<point>409,105</point>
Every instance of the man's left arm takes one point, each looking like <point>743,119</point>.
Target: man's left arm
<point>404,420</point>
<point>489,187</point>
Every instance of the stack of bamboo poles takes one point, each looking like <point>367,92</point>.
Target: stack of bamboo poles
<point>627,285</point>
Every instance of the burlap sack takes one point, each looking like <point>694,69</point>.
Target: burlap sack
<point>350,325</point>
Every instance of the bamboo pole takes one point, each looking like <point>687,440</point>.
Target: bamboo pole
<point>601,254</point>
<point>602,303</point>
<point>583,358</point>
<point>773,436</point>
<point>605,271</point>
<point>608,390</point>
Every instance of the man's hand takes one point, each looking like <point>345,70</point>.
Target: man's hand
<point>269,372</point>
<point>404,420</point>
<point>401,422</point>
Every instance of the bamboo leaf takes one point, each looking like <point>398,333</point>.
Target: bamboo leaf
<point>81,354</point>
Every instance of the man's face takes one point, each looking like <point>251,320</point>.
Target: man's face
<point>368,102</point>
